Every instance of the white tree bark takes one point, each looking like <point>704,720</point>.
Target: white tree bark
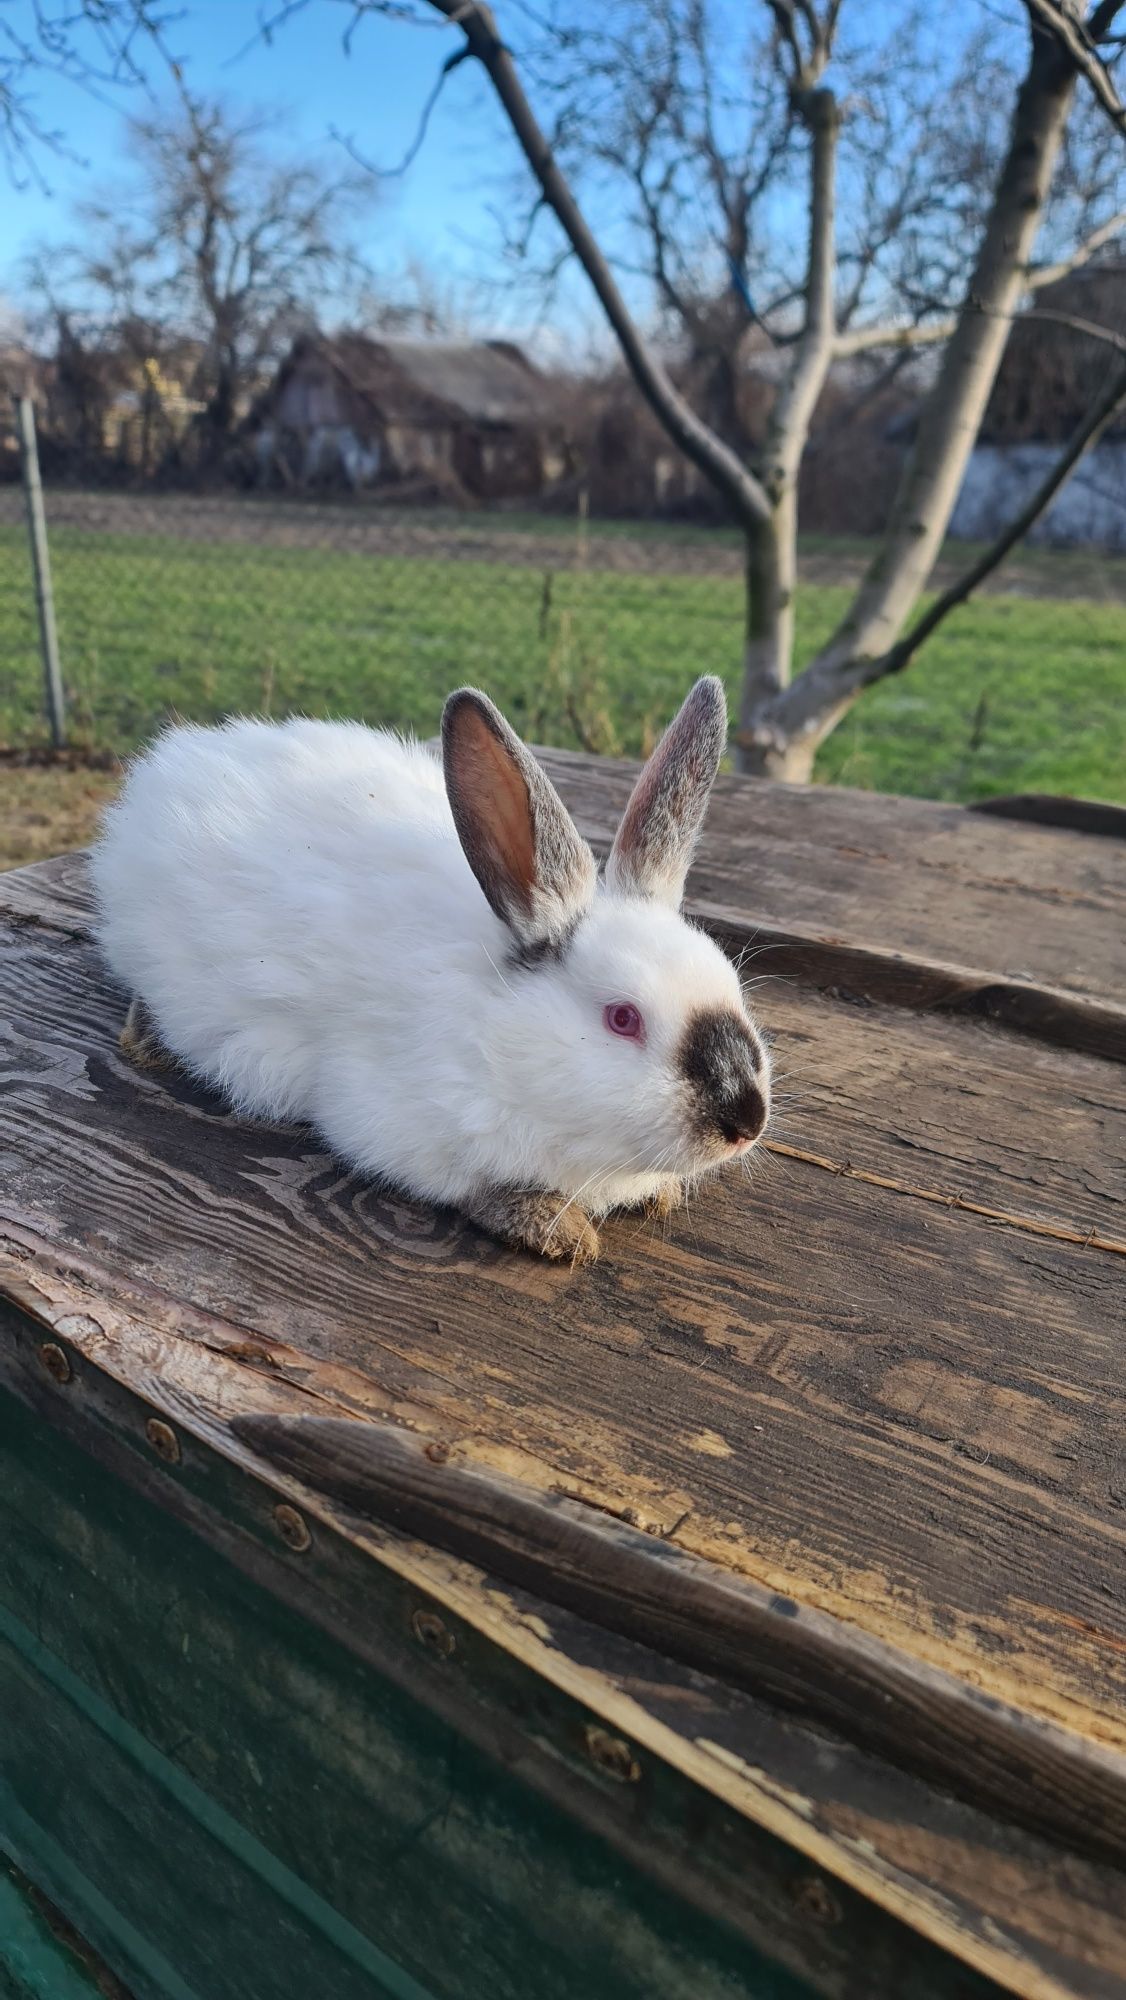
<point>772,543</point>
<point>782,731</point>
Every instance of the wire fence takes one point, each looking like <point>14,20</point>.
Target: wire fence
<point>202,605</point>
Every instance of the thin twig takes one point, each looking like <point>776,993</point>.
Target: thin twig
<point>1087,1239</point>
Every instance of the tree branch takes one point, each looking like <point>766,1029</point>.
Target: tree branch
<point>1076,39</point>
<point>715,459</point>
<point>1040,275</point>
<point>863,339</point>
<point>1082,441</point>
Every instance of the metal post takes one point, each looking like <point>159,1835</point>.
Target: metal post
<point>41,563</point>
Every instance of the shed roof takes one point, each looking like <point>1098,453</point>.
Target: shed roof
<point>416,381</point>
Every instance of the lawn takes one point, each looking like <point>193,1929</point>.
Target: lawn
<point>1014,693</point>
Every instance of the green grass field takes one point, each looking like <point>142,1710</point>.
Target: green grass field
<point>1014,693</point>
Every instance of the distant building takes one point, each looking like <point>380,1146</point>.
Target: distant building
<point>467,418</point>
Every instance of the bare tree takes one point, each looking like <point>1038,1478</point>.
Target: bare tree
<point>686,136</point>
<point>219,239</point>
<point>96,43</point>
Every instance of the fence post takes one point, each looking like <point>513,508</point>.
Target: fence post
<point>41,563</point>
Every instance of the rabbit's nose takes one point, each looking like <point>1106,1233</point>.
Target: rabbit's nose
<point>744,1117</point>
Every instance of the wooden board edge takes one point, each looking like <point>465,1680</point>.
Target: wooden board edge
<point>1059,810</point>
<point>923,985</point>
<point>996,1757</point>
<point>114,1425</point>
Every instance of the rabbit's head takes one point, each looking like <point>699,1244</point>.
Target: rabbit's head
<point>619,1034</point>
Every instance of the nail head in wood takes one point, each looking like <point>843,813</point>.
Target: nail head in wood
<point>815,1900</point>
<point>55,1362</point>
<point>611,1754</point>
<point>163,1440</point>
<point>292,1528</point>
<point>430,1632</point>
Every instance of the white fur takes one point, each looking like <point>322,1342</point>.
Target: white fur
<point>291,903</point>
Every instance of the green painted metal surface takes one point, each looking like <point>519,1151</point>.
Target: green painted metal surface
<point>232,1806</point>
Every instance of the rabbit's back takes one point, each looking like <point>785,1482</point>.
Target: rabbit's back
<point>258,883</point>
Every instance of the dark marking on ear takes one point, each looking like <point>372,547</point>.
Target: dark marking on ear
<point>721,1059</point>
<point>653,846</point>
<point>544,950</point>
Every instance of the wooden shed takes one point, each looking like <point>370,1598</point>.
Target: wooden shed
<point>474,418</point>
<point>385,1614</point>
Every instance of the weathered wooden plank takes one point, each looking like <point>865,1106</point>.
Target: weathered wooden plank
<point>748,1637</point>
<point>896,879</point>
<point>54,893</point>
<point>1002,1900</point>
<point>905,901</point>
<point>943,1108</point>
<point>907,1415</point>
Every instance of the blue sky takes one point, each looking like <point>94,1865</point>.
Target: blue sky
<point>439,211</point>
<point>440,208</point>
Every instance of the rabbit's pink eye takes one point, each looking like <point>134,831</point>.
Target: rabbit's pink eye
<point>622,1018</point>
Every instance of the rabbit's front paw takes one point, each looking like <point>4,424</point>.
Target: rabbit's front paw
<point>549,1224</point>
<point>659,1205</point>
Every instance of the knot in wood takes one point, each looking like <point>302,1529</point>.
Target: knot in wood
<point>437,1452</point>
<point>430,1632</point>
<point>292,1528</point>
<point>55,1362</point>
<point>163,1440</point>
<point>611,1754</point>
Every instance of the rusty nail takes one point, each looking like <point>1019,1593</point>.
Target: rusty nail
<point>55,1362</point>
<point>437,1452</point>
<point>430,1632</point>
<point>163,1440</point>
<point>611,1754</point>
<point>816,1900</point>
<point>291,1527</point>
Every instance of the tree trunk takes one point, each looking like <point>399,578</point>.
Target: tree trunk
<point>771,569</point>
<point>771,576</point>
<point>787,725</point>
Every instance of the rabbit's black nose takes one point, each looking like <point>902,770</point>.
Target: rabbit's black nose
<point>746,1117</point>
<point>723,1063</point>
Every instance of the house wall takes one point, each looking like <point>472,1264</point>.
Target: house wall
<point>314,426</point>
<point>499,464</point>
<point>322,451</point>
<point>1089,512</point>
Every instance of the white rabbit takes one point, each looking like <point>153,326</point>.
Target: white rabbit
<point>433,973</point>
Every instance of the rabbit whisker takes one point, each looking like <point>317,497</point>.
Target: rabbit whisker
<point>497,970</point>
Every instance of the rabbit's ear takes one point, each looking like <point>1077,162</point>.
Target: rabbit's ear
<point>518,837</point>
<point>653,847</point>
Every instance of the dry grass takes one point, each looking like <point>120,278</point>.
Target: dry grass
<point>45,811</point>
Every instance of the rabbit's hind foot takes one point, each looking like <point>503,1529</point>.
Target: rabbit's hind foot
<point>140,1043</point>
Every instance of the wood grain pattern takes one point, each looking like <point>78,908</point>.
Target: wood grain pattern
<point>910,1417</point>
<point>896,1414</point>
